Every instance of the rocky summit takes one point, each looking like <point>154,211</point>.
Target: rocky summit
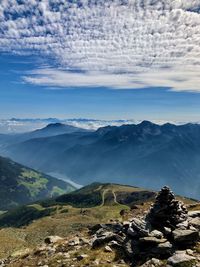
<point>167,235</point>
<point>167,211</point>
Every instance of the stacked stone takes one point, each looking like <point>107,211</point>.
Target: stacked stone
<point>167,228</point>
<point>166,211</point>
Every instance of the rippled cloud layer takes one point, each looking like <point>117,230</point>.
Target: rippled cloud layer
<point>117,44</point>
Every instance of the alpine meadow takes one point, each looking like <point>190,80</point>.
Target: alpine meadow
<point>100,133</point>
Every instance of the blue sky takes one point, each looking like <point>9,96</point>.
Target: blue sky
<point>104,60</point>
<point>19,99</point>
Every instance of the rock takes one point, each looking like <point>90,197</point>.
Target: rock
<point>121,262</point>
<point>108,249</point>
<point>126,223</point>
<point>131,248</point>
<point>183,225</point>
<point>132,232</point>
<point>98,228</point>
<point>94,228</point>
<point>181,259</point>
<point>114,244</point>
<point>21,253</point>
<point>84,241</point>
<point>81,257</point>
<point>96,262</point>
<point>185,236</point>
<point>156,233</point>
<point>106,238</point>
<point>163,249</point>
<point>152,263</point>
<point>52,239</point>
<point>167,231</point>
<point>189,252</point>
<point>74,242</point>
<point>195,222</point>
<point>139,227</point>
<point>192,228</point>
<point>40,250</point>
<point>194,214</point>
<point>66,255</point>
<point>151,241</point>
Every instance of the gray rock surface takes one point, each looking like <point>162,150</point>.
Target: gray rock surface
<point>181,259</point>
<point>185,236</point>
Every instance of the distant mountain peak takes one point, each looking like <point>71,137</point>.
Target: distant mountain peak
<point>56,125</point>
<point>147,123</point>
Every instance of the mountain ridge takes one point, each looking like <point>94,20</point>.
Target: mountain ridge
<point>21,185</point>
<point>145,154</point>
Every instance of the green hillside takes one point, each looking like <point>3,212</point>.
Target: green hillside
<point>21,185</point>
<point>98,200</point>
<point>28,225</point>
<point>94,197</point>
<point>98,194</point>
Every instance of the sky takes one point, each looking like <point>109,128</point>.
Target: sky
<point>119,59</point>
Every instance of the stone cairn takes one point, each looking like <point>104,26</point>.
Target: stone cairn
<point>166,211</point>
<point>167,228</point>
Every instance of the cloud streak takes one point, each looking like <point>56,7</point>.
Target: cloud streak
<point>120,44</point>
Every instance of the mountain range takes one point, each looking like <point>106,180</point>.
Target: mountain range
<point>21,185</point>
<point>145,154</point>
<point>15,125</point>
<point>51,129</point>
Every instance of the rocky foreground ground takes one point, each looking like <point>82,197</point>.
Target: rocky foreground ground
<point>168,235</point>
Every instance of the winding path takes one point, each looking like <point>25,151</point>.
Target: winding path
<point>104,193</point>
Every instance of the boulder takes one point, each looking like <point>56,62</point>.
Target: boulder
<point>181,259</point>
<point>163,249</point>
<point>108,249</point>
<point>81,257</point>
<point>128,248</point>
<point>132,232</point>
<point>52,239</point>
<point>74,242</point>
<point>151,241</point>
<point>185,236</point>
<point>152,263</point>
<point>195,222</point>
<point>156,233</point>
<point>167,231</point>
<point>106,238</point>
<point>131,248</point>
<point>114,227</point>
<point>139,226</point>
<point>194,214</point>
<point>114,244</point>
<point>183,225</point>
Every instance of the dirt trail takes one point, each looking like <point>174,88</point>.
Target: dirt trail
<point>103,196</point>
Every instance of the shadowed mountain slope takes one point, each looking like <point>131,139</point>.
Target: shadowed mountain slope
<point>146,155</point>
<point>21,185</point>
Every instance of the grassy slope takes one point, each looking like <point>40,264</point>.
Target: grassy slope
<point>65,218</point>
<point>21,185</point>
<point>93,197</point>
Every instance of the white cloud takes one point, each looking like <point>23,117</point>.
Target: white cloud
<point>177,80</point>
<point>150,43</point>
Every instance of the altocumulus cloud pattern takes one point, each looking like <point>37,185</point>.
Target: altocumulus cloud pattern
<point>119,44</point>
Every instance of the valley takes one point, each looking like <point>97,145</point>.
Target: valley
<point>22,185</point>
<point>170,154</point>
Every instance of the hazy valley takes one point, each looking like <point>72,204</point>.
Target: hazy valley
<point>145,154</point>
